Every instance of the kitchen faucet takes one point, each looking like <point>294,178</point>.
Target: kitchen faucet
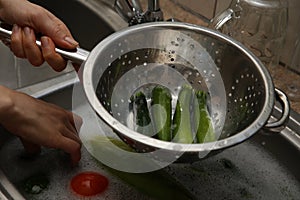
<point>132,12</point>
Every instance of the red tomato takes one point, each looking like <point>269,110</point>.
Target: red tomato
<point>89,183</point>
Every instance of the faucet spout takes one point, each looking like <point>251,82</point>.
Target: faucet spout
<point>153,5</point>
<point>131,11</point>
<point>127,9</point>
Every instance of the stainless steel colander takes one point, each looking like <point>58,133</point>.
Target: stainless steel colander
<point>171,54</point>
<point>123,63</point>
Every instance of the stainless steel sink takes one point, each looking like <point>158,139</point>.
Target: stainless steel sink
<point>264,167</point>
<point>89,21</point>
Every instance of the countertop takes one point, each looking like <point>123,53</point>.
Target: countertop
<point>283,78</point>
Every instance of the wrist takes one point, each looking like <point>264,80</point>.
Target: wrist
<point>6,101</point>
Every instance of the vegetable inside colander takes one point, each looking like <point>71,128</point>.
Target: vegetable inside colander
<point>166,58</point>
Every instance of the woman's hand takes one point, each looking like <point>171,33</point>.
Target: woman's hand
<point>38,123</point>
<point>30,19</point>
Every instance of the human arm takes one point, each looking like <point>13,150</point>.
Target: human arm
<point>30,19</point>
<point>39,123</point>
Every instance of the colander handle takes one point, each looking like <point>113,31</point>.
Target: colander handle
<point>281,122</point>
<point>77,55</point>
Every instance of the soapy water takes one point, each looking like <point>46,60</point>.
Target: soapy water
<point>232,174</point>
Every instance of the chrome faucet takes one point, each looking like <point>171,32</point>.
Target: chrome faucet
<point>132,12</point>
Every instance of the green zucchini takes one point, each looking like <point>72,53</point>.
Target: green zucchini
<point>157,184</point>
<point>142,115</point>
<point>182,130</point>
<point>161,109</point>
<point>204,127</point>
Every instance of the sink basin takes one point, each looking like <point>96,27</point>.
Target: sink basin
<point>89,21</point>
<point>264,167</point>
<point>255,169</point>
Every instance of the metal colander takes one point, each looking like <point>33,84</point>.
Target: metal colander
<point>171,54</point>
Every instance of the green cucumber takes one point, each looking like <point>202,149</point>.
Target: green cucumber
<point>142,115</point>
<point>161,109</point>
<point>157,184</point>
<point>205,131</point>
<point>182,130</point>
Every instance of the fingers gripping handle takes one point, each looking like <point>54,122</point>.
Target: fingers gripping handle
<point>77,55</point>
